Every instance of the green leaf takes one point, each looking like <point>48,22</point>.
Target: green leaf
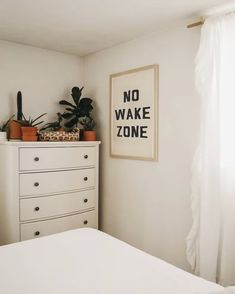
<point>34,120</point>
<point>34,125</point>
<point>67,115</point>
<point>5,125</point>
<point>71,123</point>
<point>64,102</point>
<point>85,106</point>
<point>86,101</point>
<point>76,94</point>
<point>24,118</point>
<point>70,109</point>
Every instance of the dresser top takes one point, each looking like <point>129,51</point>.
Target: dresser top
<point>50,144</point>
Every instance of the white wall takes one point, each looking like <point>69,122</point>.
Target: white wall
<point>43,76</point>
<point>144,203</point>
<point>148,203</point>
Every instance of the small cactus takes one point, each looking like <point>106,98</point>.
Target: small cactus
<point>19,106</point>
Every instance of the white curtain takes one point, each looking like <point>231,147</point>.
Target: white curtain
<point>211,242</point>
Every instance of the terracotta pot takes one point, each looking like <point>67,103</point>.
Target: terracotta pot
<point>89,135</point>
<point>29,133</point>
<point>15,132</point>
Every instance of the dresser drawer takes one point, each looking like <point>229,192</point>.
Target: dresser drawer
<point>47,227</point>
<point>56,158</point>
<point>50,206</point>
<point>34,184</point>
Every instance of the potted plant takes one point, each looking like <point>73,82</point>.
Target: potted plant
<point>54,131</point>
<point>54,126</point>
<point>81,107</point>
<point>4,129</point>
<point>29,127</point>
<point>89,134</point>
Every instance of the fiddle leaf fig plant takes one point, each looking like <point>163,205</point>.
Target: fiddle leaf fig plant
<point>79,108</point>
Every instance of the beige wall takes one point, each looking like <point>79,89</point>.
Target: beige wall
<point>43,76</point>
<point>148,203</point>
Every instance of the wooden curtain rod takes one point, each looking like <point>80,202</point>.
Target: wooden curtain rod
<point>195,24</point>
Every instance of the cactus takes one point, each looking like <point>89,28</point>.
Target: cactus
<point>19,106</point>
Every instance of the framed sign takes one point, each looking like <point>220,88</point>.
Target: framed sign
<point>133,113</point>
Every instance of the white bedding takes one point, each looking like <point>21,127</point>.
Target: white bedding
<point>87,261</point>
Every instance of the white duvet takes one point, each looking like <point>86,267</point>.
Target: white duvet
<point>87,261</point>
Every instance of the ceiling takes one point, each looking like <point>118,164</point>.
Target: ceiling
<point>84,26</point>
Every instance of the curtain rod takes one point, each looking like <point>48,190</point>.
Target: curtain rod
<point>224,9</point>
<point>195,24</point>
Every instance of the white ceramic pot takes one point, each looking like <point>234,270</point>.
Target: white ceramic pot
<point>3,136</point>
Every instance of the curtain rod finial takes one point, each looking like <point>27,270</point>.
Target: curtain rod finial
<point>195,24</point>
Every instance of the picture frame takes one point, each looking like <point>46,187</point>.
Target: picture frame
<point>134,113</point>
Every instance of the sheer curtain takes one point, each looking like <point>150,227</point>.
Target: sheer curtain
<point>211,241</point>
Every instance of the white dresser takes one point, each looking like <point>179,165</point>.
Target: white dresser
<point>47,188</point>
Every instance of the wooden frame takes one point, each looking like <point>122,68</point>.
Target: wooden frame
<point>134,113</point>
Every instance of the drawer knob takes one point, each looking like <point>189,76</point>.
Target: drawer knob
<point>86,156</point>
<point>85,179</point>
<point>36,184</point>
<point>36,158</point>
<point>37,233</point>
<point>85,200</point>
<point>36,208</point>
<point>85,222</point>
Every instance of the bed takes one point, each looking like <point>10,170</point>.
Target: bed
<point>87,261</point>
